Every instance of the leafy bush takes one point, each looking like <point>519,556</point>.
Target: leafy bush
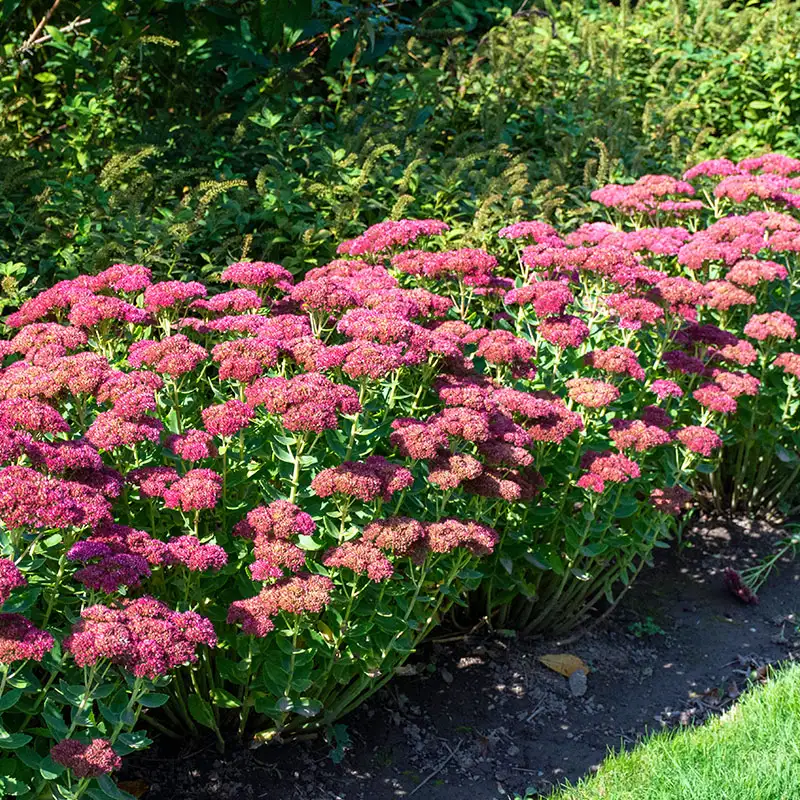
<point>187,139</point>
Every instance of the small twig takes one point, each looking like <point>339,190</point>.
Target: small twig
<point>534,713</point>
<point>38,29</point>
<point>71,28</point>
<point>439,768</point>
<point>457,637</point>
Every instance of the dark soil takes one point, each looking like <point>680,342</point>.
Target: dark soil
<point>481,718</point>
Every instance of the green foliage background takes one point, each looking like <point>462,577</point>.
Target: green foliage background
<point>185,135</point>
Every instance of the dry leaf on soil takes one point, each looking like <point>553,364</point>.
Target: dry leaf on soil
<point>136,788</point>
<point>564,663</point>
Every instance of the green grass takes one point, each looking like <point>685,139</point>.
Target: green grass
<point>750,753</point>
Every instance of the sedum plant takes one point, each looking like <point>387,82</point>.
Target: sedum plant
<point>200,530</point>
<point>241,507</point>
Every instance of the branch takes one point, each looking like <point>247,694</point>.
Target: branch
<point>71,28</point>
<point>38,29</point>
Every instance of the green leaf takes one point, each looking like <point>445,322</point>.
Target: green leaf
<point>130,742</point>
<point>307,707</point>
<point>12,741</point>
<point>21,600</point>
<point>110,789</point>
<point>154,700</point>
<point>12,786</point>
<point>29,757</point>
<point>10,699</point>
<point>344,47</point>
<point>108,713</point>
<point>627,507</point>
<point>201,711</point>
<point>49,770</point>
<point>223,699</point>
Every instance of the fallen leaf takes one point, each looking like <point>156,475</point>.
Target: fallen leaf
<point>136,788</point>
<point>564,663</point>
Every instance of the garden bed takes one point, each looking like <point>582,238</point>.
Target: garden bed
<point>680,648</point>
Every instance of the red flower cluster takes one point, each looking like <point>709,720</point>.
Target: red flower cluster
<point>548,298</point>
<point>616,360</point>
<point>21,640</point>
<point>591,393</point>
<point>160,296</point>
<point>246,359</point>
<point>30,499</point>
<point>175,356</point>
<point>198,489</point>
<point>362,557</point>
<point>670,500</point>
<point>192,445</point>
<point>699,439</point>
<point>638,435</point>
<point>280,520</point>
<point>564,331</point>
<point>228,418</point>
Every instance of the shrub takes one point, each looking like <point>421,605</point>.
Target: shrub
<point>367,445</point>
<point>209,142</point>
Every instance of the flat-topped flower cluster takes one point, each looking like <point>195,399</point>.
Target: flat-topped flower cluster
<point>242,509</point>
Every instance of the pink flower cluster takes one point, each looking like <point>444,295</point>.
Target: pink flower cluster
<point>296,594</point>
<point>390,235</point>
<point>143,635</point>
<point>366,480</point>
<point>307,402</point>
<point>606,467</point>
<point>30,499</point>
<point>10,578</point>
<point>86,759</point>
<point>647,195</point>
<point>228,418</point>
<point>257,273</point>
<point>473,267</point>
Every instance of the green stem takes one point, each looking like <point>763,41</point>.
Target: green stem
<point>299,444</point>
